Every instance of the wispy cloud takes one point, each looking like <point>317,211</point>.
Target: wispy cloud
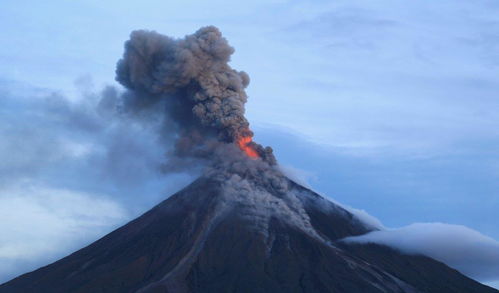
<point>462,248</point>
<point>40,224</point>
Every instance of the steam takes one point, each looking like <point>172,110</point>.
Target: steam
<point>198,96</point>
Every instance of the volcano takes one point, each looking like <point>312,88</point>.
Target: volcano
<point>231,234</point>
<point>242,226</point>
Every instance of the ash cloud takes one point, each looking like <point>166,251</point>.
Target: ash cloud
<point>118,142</point>
<point>190,85</point>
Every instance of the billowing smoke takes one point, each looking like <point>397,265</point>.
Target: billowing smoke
<point>200,98</point>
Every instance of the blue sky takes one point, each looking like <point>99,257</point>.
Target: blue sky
<point>386,106</point>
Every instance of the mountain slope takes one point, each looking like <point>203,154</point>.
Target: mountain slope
<point>219,236</point>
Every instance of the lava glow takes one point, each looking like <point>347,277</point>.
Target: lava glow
<point>244,144</point>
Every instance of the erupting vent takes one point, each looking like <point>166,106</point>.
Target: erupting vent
<point>244,144</point>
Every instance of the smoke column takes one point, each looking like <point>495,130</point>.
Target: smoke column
<point>200,97</point>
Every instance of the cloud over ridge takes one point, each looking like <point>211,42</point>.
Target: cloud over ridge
<point>460,247</point>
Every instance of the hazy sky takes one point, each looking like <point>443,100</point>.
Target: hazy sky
<point>386,106</point>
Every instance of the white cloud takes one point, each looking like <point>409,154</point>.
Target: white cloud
<point>40,224</point>
<point>460,247</point>
<point>363,216</point>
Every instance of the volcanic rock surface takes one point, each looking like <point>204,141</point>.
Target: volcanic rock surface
<point>213,236</point>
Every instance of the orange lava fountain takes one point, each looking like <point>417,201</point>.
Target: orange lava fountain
<point>244,144</point>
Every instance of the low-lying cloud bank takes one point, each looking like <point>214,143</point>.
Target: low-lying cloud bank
<point>460,247</point>
<point>40,224</point>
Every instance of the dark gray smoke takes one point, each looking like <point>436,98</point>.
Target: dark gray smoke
<point>190,82</point>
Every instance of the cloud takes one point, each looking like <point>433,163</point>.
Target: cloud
<point>40,224</point>
<point>387,90</point>
<point>386,87</point>
<point>70,172</point>
<point>460,247</point>
<point>362,215</point>
<point>77,143</point>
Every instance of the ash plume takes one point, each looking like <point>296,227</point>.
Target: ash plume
<point>198,96</point>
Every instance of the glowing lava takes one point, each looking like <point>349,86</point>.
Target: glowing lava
<point>244,144</point>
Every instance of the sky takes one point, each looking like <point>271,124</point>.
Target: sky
<point>385,106</point>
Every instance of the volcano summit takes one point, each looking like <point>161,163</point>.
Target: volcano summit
<point>242,226</point>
